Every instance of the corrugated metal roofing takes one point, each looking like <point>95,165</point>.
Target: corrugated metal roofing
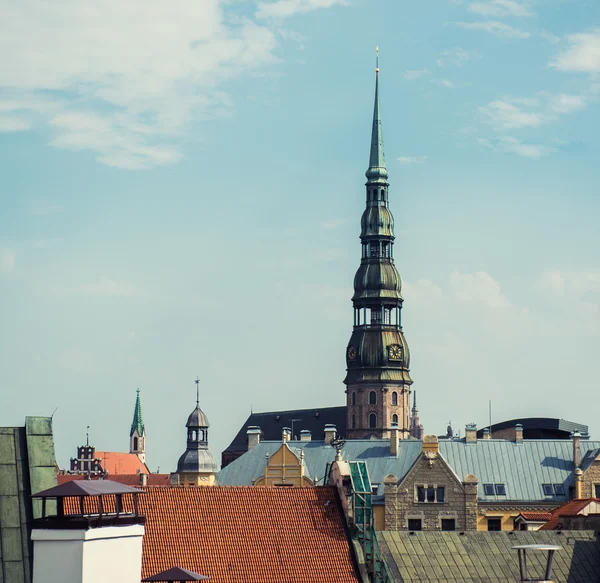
<point>522,468</point>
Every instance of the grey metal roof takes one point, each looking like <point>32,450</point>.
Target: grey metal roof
<point>87,488</point>
<point>250,466</point>
<point>522,468</point>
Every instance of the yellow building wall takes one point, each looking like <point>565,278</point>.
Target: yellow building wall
<point>379,517</point>
<point>284,469</point>
<point>507,519</point>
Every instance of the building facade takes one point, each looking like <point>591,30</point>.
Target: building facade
<point>377,356</point>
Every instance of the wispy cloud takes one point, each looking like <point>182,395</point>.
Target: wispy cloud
<point>128,91</point>
<point>512,145</point>
<point>415,74</point>
<point>479,287</point>
<point>456,56</point>
<point>444,83</point>
<point>413,159</point>
<point>495,27</point>
<point>582,54</point>
<point>505,115</point>
<point>333,223</point>
<point>109,287</point>
<point>500,8</point>
<point>8,260</point>
<point>13,124</point>
<point>287,8</point>
<point>582,284</point>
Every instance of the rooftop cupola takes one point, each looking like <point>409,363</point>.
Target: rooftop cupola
<point>196,466</point>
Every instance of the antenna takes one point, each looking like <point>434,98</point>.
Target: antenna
<point>490,418</point>
<point>197,381</point>
<point>87,436</point>
<point>292,420</point>
<point>52,416</point>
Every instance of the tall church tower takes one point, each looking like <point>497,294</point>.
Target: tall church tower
<point>137,434</point>
<point>377,382</point>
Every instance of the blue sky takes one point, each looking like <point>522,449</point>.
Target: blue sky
<point>182,185</point>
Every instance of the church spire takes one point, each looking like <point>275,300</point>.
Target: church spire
<point>377,171</point>
<point>137,434</point>
<point>137,423</point>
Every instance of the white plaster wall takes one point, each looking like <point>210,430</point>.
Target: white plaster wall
<point>98,555</point>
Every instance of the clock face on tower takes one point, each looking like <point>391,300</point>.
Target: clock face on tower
<point>352,352</point>
<point>395,352</point>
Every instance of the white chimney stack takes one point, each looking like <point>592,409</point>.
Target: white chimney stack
<point>253,434</point>
<point>330,431</point>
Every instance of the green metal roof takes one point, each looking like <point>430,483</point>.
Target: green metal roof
<point>27,465</point>
<point>475,557</point>
<point>138,422</point>
<point>377,171</point>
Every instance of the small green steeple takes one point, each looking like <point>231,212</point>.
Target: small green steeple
<point>377,171</point>
<point>138,422</point>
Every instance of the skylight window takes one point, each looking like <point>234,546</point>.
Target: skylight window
<point>488,489</point>
<point>547,489</point>
<point>500,490</point>
<point>559,490</point>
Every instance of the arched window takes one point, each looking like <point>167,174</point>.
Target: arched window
<point>353,399</point>
<point>372,421</point>
<point>372,398</point>
<point>395,419</point>
<point>135,444</point>
<point>394,398</point>
<point>353,421</point>
<point>194,435</point>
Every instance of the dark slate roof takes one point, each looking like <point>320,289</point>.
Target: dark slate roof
<point>176,574</point>
<point>541,427</point>
<point>87,488</point>
<point>476,557</point>
<point>271,424</point>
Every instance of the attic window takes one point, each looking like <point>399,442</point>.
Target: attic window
<point>559,489</point>
<point>500,490</point>
<point>547,489</point>
<point>488,489</point>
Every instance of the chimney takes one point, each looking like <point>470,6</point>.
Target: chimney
<point>486,433</point>
<point>576,448</point>
<point>394,440</point>
<point>253,434</point>
<point>330,431</point>
<point>305,435</point>
<point>578,483</point>
<point>85,543</point>
<point>286,434</point>
<point>471,433</point>
<point>518,433</point>
<point>143,479</point>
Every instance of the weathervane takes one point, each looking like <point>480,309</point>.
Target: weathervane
<point>338,443</point>
<point>197,381</point>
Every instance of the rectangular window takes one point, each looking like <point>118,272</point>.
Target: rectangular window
<point>488,489</point>
<point>559,489</point>
<point>547,489</point>
<point>500,490</point>
<point>596,490</point>
<point>420,493</point>
<point>415,524</point>
<point>440,493</point>
<point>448,524</point>
<point>430,494</point>
<point>374,489</point>
<point>494,524</point>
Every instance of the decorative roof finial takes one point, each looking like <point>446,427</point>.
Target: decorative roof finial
<point>87,436</point>
<point>376,59</point>
<point>197,381</point>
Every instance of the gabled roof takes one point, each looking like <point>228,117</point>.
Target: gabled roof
<point>271,424</point>
<point>473,557</point>
<point>86,488</point>
<point>571,508</point>
<point>176,574</point>
<point>535,516</point>
<point>317,454</point>
<point>116,462</point>
<point>248,535</point>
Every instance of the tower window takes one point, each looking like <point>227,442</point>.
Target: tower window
<point>353,421</point>
<point>372,420</point>
<point>374,249</point>
<point>353,399</point>
<point>372,398</point>
<point>395,419</point>
<point>394,398</point>
<point>135,444</point>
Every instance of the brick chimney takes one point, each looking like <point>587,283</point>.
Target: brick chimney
<point>470,485</point>
<point>330,431</point>
<point>486,433</point>
<point>518,433</point>
<point>305,435</point>
<point>471,433</point>
<point>253,434</point>
<point>578,483</point>
<point>576,448</point>
<point>394,439</point>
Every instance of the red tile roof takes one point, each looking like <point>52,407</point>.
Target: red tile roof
<point>536,516</point>
<point>116,462</point>
<point>572,508</point>
<point>245,534</point>
<point>128,479</point>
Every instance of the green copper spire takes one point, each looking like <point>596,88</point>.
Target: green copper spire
<point>138,422</point>
<point>377,171</point>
